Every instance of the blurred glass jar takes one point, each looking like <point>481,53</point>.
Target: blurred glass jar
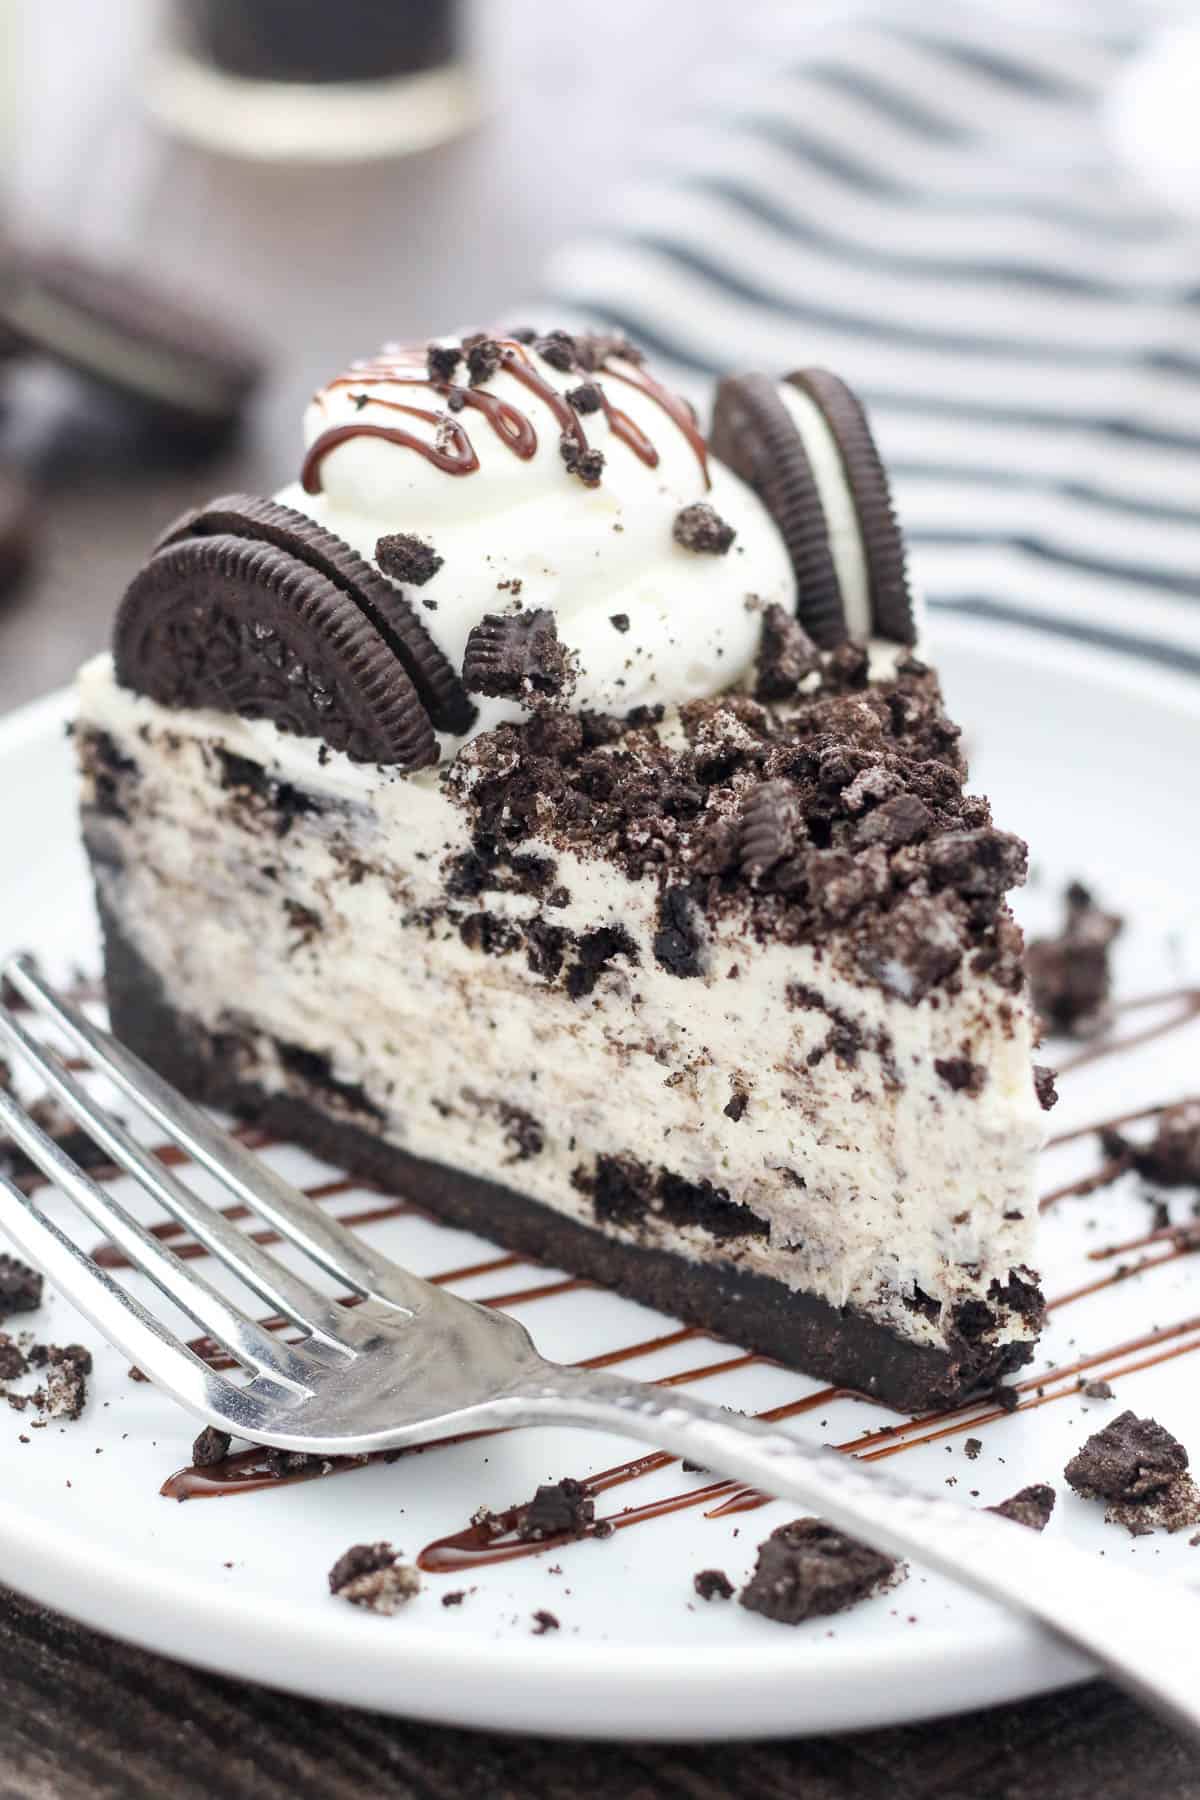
<point>313,80</point>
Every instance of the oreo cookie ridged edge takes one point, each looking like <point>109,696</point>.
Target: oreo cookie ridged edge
<point>755,434</point>
<point>183,637</point>
<point>265,521</point>
<point>882,539</point>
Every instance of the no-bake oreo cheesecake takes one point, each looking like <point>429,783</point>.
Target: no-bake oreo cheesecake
<point>545,810</point>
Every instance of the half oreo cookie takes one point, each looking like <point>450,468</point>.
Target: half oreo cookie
<point>170,358</point>
<point>756,434</point>
<point>382,603</point>
<point>246,627</point>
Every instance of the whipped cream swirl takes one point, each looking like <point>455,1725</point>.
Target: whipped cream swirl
<point>646,619</point>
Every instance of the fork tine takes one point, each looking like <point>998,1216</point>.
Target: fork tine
<point>125,1322</point>
<point>292,1214</point>
<point>214,1314</point>
<point>283,1292</point>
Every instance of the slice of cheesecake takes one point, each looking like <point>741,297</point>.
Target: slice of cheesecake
<point>713,996</point>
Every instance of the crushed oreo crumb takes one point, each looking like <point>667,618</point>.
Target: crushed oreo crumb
<point>701,528</point>
<point>211,1446</point>
<point>807,1569</point>
<point>556,1508</point>
<point>1069,975</point>
<point>1172,1157</point>
<point>1044,1088</point>
<point>484,357</point>
<point>1130,1459</point>
<point>455,1597</point>
<point>21,1287</point>
<point>442,360</point>
<point>406,557</point>
<point>517,656</point>
<point>558,349</point>
<point>972,1447</point>
<point>961,1075</point>
<point>1097,1390</point>
<point>586,398</point>
<point>543,1622</point>
<point>786,655</point>
<point>581,459</point>
<point>712,1584</point>
<point>619,621</point>
<point>1029,1506</point>
<point>372,1576</point>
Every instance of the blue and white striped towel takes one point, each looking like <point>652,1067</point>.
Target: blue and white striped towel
<point>936,212</point>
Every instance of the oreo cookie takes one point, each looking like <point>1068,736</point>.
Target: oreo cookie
<point>242,626</point>
<point>130,337</point>
<point>882,539</point>
<point>264,521</point>
<point>756,435</point>
<point>18,528</point>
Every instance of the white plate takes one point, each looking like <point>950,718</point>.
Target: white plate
<point>1083,753</point>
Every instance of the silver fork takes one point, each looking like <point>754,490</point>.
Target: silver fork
<point>412,1362</point>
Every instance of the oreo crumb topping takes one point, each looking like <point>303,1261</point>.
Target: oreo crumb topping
<point>484,356</point>
<point>786,655</point>
<point>581,459</point>
<point>772,830</point>
<point>560,1508</point>
<point>406,557</point>
<point>735,1109</point>
<point>1043,1087</point>
<point>454,1598</point>
<point>21,1287</point>
<point>677,941</point>
<point>1130,1459</point>
<point>1069,975</point>
<point>13,1361</point>
<point>972,1447</point>
<point>807,1569</point>
<point>961,1075</point>
<point>442,360</point>
<point>372,1576</point>
<point>913,897</point>
<point>517,656</point>
<point>619,621</point>
<point>558,348</point>
<point>712,1584</point>
<point>624,1191</point>
<point>1097,1390</point>
<point>586,398</point>
<point>1172,1157</point>
<point>543,1622</point>
<point>1030,1506</point>
<point>211,1446</point>
<point>701,528</point>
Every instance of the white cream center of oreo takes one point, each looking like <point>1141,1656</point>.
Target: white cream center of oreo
<point>837,503</point>
<point>523,531</point>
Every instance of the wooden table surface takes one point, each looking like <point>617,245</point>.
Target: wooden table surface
<point>325,263</point>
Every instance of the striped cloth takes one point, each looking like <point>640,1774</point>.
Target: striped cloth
<point>937,213</point>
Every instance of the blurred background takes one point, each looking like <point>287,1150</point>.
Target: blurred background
<point>977,213</point>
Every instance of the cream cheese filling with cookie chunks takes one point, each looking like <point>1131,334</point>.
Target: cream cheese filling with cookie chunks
<point>713,997</point>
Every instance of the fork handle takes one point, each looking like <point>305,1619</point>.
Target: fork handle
<point>1142,1632</point>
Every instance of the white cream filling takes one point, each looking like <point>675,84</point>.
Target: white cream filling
<point>900,1187</point>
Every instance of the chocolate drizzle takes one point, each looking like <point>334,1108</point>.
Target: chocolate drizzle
<point>452,451</point>
<point>478,1545</point>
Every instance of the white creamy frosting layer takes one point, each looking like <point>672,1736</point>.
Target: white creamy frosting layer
<point>528,529</point>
